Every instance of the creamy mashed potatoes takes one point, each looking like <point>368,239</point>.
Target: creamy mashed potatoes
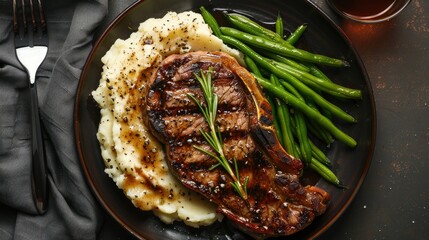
<point>134,159</point>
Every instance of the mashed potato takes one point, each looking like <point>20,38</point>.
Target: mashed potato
<point>134,159</point>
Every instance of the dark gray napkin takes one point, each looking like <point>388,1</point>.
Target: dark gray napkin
<point>73,213</point>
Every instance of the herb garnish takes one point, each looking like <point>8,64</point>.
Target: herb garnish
<point>213,137</point>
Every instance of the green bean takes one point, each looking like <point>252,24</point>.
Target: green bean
<point>297,152</point>
<point>274,80</point>
<point>292,90</point>
<point>302,136</point>
<point>320,84</point>
<point>284,120</point>
<point>278,48</point>
<point>324,171</point>
<point>284,124</point>
<point>300,126</point>
<point>265,72</point>
<point>279,26</point>
<point>296,35</point>
<point>336,111</point>
<point>211,21</point>
<point>287,61</point>
<point>322,102</point>
<point>312,130</point>
<point>246,24</point>
<point>320,168</point>
<point>323,80</point>
<point>311,84</point>
<point>318,154</point>
<point>251,65</point>
<point>308,111</point>
<point>320,132</point>
<point>318,73</point>
<point>326,113</point>
<point>315,129</point>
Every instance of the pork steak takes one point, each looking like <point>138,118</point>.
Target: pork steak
<point>277,203</point>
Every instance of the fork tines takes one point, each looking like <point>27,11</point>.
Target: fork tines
<point>29,19</point>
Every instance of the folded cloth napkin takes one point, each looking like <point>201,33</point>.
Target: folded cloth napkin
<point>73,213</point>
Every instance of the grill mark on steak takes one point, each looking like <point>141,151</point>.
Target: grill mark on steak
<point>176,96</point>
<point>190,124</point>
<point>234,147</point>
<point>277,203</point>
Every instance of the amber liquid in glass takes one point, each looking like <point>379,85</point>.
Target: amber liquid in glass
<point>363,9</point>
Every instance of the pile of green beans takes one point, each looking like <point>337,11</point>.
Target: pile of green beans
<point>294,86</point>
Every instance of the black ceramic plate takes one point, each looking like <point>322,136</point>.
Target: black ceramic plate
<point>322,36</point>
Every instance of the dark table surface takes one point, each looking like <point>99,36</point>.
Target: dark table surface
<point>393,202</point>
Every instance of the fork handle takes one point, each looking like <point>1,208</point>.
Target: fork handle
<point>39,173</point>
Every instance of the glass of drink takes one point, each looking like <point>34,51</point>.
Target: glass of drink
<point>368,11</point>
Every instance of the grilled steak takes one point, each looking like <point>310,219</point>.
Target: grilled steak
<point>277,203</point>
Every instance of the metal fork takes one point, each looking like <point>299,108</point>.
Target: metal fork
<point>31,44</point>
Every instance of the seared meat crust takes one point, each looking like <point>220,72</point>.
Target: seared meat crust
<point>277,204</point>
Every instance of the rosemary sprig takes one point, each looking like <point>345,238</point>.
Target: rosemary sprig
<point>213,137</point>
